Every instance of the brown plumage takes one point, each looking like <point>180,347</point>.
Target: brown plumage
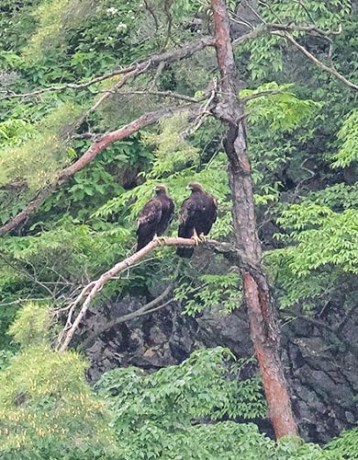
<point>196,217</point>
<point>155,217</point>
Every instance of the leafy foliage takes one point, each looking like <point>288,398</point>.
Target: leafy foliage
<point>348,135</point>
<point>32,325</point>
<point>302,129</point>
<point>211,292</point>
<point>47,410</point>
<point>152,415</point>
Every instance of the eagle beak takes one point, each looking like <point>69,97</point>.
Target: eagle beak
<point>188,187</point>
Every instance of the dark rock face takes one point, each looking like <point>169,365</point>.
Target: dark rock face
<point>323,375</point>
<point>323,379</point>
<point>161,339</point>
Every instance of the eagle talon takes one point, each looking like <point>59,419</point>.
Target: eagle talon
<point>203,238</point>
<point>196,238</point>
<point>159,239</point>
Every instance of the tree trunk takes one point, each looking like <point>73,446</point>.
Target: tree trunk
<point>261,310</point>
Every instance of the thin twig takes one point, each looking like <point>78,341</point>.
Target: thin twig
<point>346,319</point>
<point>30,299</point>
<point>268,92</point>
<point>204,112</point>
<point>317,62</point>
<point>185,51</point>
<point>152,306</point>
<point>95,286</point>
<point>170,94</point>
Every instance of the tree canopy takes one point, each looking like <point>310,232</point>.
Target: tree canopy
<point>103,100</point>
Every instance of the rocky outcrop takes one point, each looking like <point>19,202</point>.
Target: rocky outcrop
<point>323,374</point>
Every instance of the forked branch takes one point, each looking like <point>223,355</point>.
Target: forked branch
<point>90,291</point>
<point>317,62</point>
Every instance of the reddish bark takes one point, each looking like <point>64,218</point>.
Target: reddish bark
<point>97,147</point>
<point>261,310</point>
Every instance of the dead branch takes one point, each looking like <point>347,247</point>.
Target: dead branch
<point>25,300</point>
<point>123,319</point>
<point>268,92</point>
<point>313,29</point>
<point>107,93</point>
<point>157,75</point>
<point>152,13</point>
<point>204,112</point>
<point>347,318</point>
<point>100,144</point>
<point>154,305</point>
<point>183,52</point>
<point>263,29</point>
<point>317,62</point>
<point>90,291</point>
<point>169,94</point>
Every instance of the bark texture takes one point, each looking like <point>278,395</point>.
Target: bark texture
<point>261,312</point>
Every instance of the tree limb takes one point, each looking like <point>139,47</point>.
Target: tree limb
<point>90,291</point>
<point>151,307</point>
<point>298,28</point>
<point>347,318</point>
<point>317,62</point>
<point>167,57</point>
<point>97,147</point>
<point>169,94</point>
<point>268,92</point>
<point>185,51</point>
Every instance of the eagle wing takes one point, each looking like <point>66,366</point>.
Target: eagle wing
<point>186,216</point>
<point>198,213</point>
<point>186,228</point>
<point>148,221</point>
<point>151,213</point>
<point>167,207</point>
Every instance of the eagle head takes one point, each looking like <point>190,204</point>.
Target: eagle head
<point>160,189</point>
<point>195,187</point>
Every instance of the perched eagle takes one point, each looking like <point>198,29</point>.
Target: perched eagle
<point>155,217</point>
<point>196,216</point>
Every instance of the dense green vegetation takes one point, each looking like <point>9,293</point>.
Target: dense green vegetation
<point>303,138</point>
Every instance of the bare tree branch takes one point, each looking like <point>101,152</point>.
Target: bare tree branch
<point>317,62</point>
<point>347,318</point>
<point>107,93</point>
<point>154,305</point>
<point>204,112</point>
<point>298,28</point>
<point>169,94</point>
<point>90,291</point>
<point>151,12</point>
<point>268,92</point>
<point>152,62</point>
<point>275,27</point>
<point>29,299</point>
<point>97,147</point>
<point>183,52</point>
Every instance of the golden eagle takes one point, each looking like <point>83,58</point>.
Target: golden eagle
<point>155,217</point>
<point>196,216</point>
